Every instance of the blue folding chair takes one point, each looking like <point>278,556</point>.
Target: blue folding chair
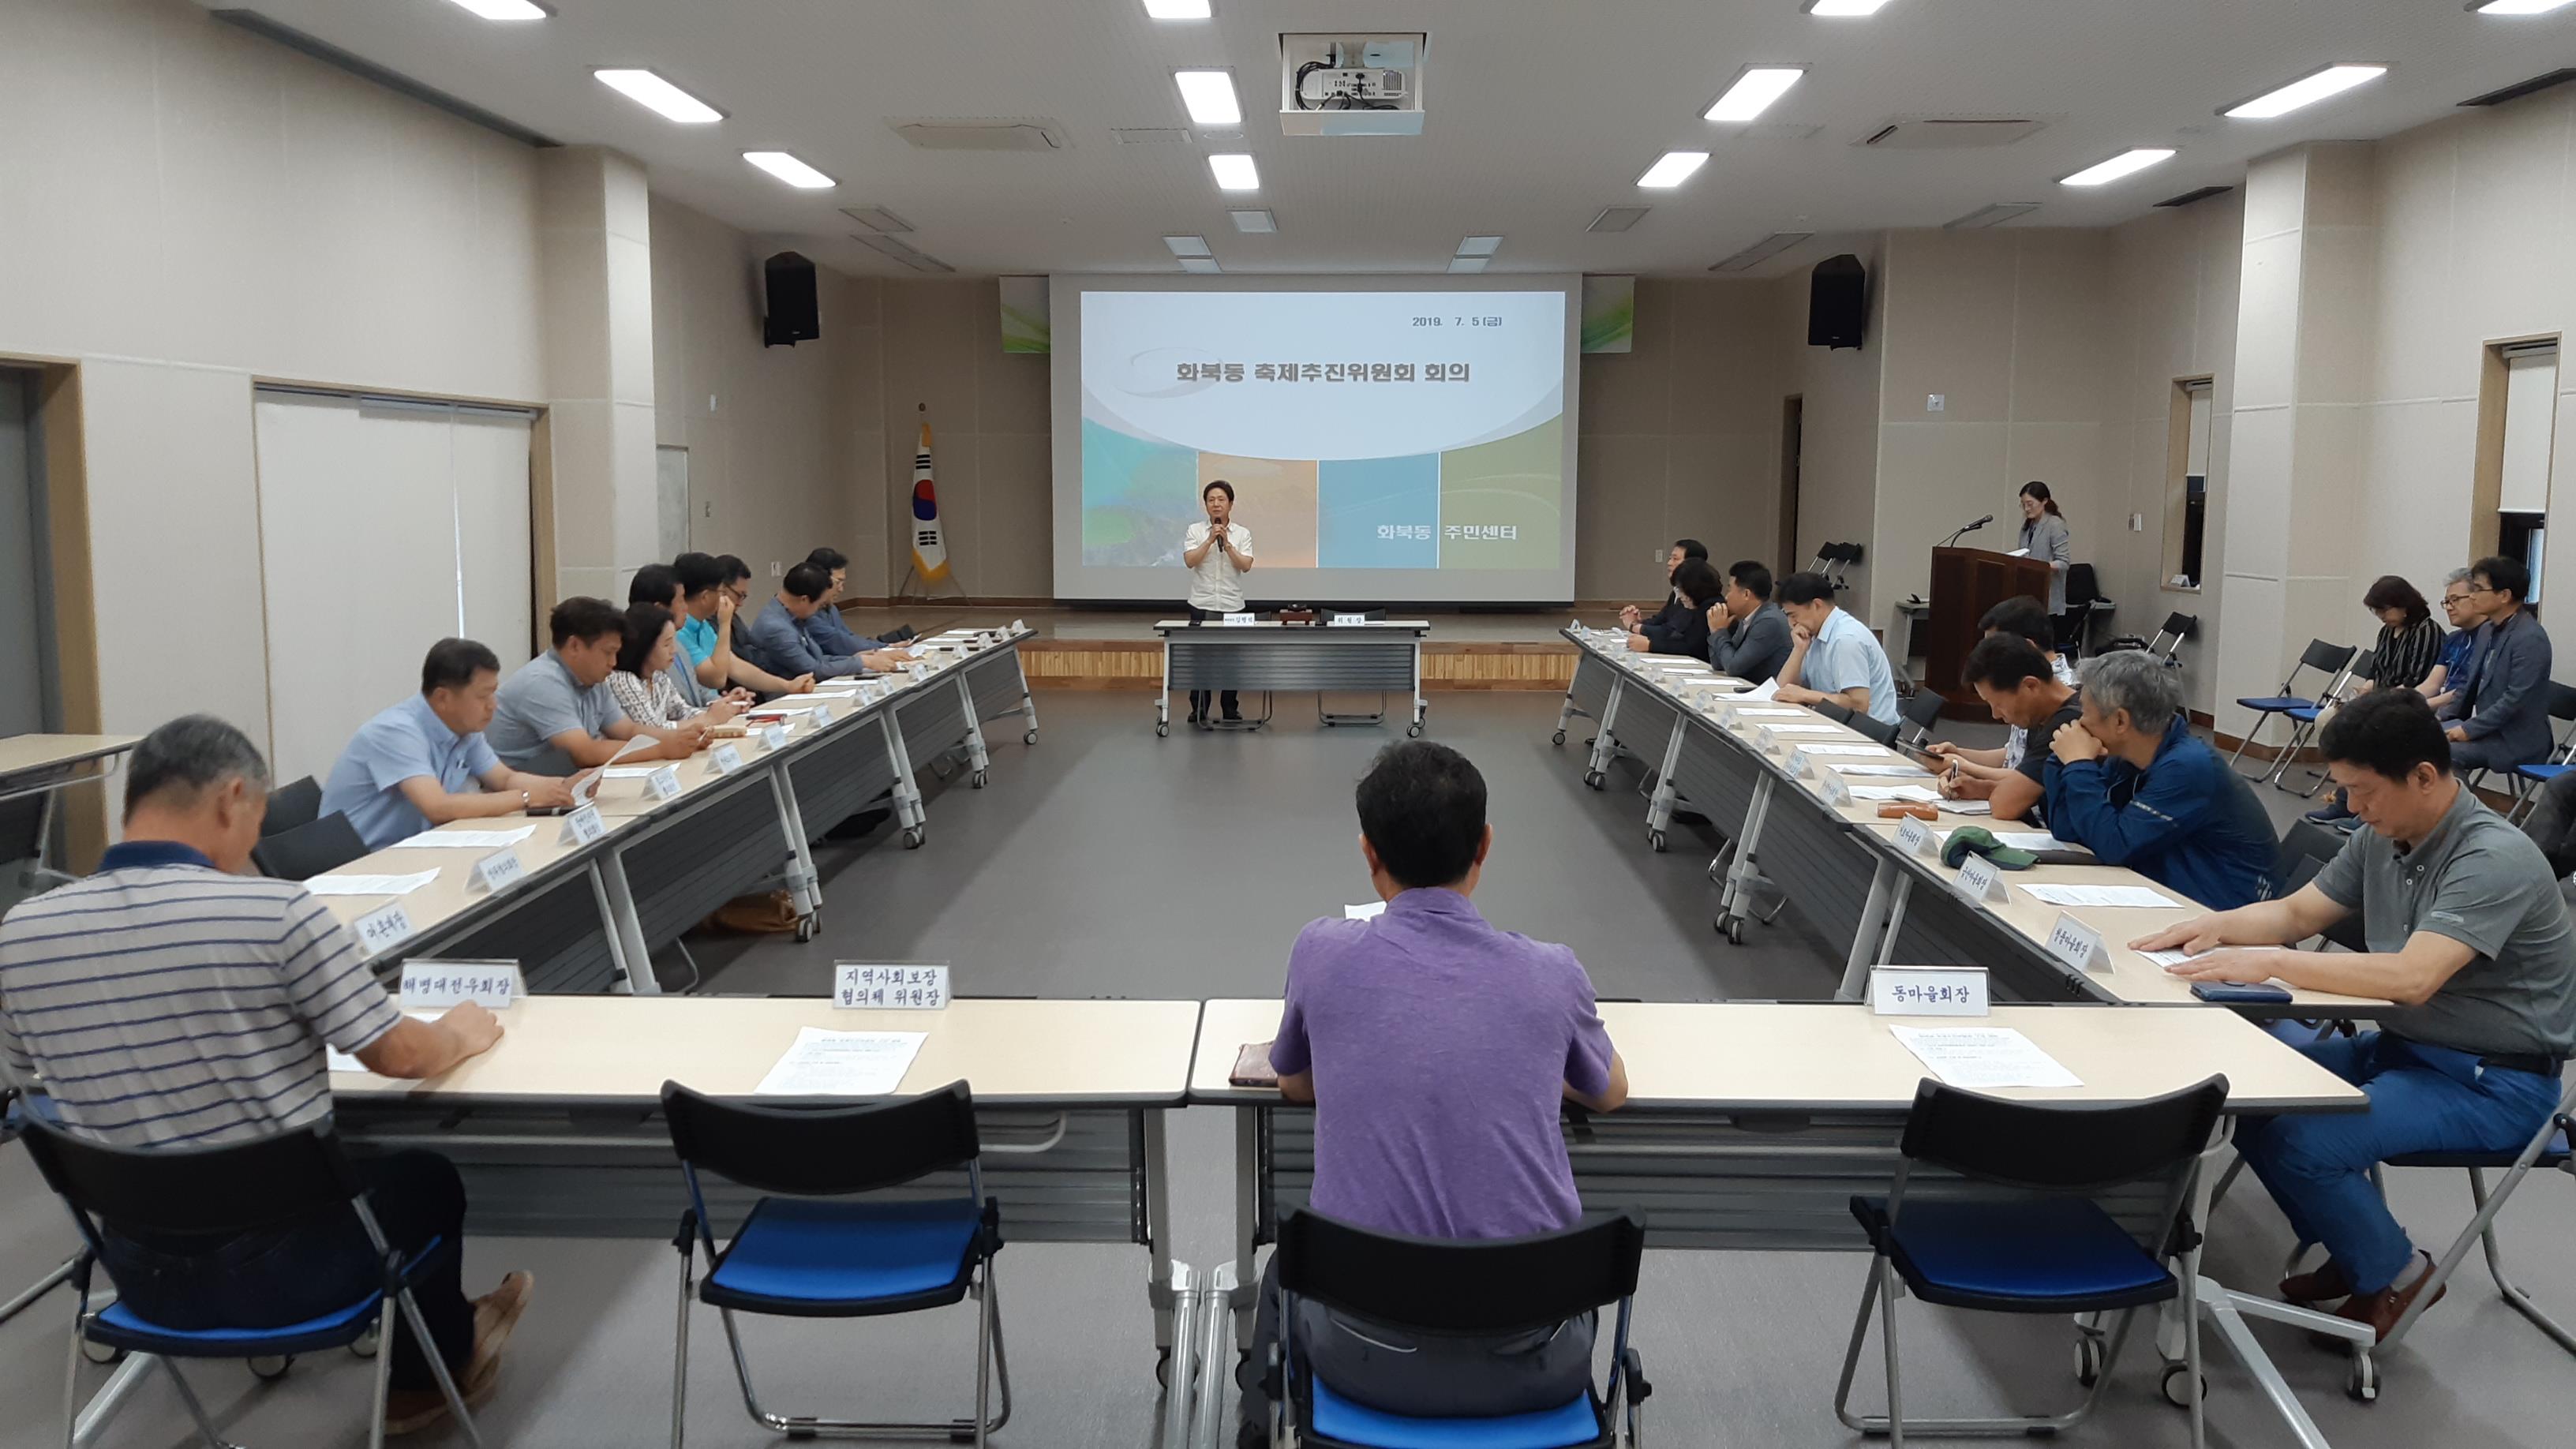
<point>2530,780</point>
<point>1430,1287</point>
<point>2043,1244</point>
<point>2326,659</point>
<point>2306,719</point>
<point>272,1182</point>
<point>808,1249</point>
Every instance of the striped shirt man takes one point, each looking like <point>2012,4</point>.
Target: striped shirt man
<point>165,1002</point>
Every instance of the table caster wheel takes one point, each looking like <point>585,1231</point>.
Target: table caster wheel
<point>806,927</point>
<point>1732,928</point>
<point>1655,841</point>
<point>2177,1387</point>
<point>1413,731</point>
<point>2090,1354</point>
<point>914,835</point>
<point>2361,1385</point>
<point>97,1352</point>
<point>977,780</point>
<point>1557,739</point>
<point>1030,738</point>
<point>365,1344</point>
<point>1594,778</point>
<point>270,1370</point>
<point>1162,729</point>
<point>1163,1367</point>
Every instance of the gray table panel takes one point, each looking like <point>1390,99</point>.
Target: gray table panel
<point>1716,777</point>
<point>841,775</point>
<point>698,859</point>
<point>555,934</point>
<point>1645,724</point>
<point>1295,663</point>
<point>1591,687</point>
<point>933,722</point>
<point>994,679</point>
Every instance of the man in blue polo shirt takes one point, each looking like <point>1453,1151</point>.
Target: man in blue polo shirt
<point>1437,1051</point>
<point>1832,656</point>
<point>417,764</point>
<point>2136,787</point>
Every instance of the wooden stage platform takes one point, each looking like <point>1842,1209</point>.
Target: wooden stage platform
<point>1116,648</point>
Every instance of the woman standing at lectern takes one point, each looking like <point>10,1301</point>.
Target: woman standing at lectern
<point>2044,536</point>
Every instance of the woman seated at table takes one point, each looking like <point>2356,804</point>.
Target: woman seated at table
<point>641,683</point>
<point>1700,588</point>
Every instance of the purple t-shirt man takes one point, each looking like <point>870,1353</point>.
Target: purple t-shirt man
<point>1441,1048</point>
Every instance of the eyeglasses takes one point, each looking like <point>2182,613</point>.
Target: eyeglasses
<point>2450,599</point>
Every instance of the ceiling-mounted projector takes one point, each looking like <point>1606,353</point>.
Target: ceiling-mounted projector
<point>1351,85</point>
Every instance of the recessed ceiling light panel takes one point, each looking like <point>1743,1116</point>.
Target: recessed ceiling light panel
<point>1479,246</point>
<point>2519,7</point>
<point>1234,171</point>
<point>1469,264</point>
<point>1754,91</point>
<point>1177,9</point>
<point>1845,9</point>
<point>1187,246</point>
<point>504,9</point>
<point>1200,264</point>
<point>1209,97</point>
<point>1672,169</point>
<point>2127,163</point>
<point>2307,90</point>
<point>659,96</point>
<point>790,170</point>
<point>1254,222</point>
<point>1618,218</point>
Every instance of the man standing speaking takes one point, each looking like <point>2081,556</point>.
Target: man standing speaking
<point>1218,553</point>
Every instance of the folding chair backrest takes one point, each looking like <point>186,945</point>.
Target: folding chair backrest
<point>1875,730</point>
<point>1921,711</point>
<point>308,850</point>
<point>822,1151</point>
<point>2068,1147</point>
<point>1834,710</point>
<point>2181,627</point>
<point>2326,658</point>
<point>235,1188</point>
<point>22,828</point>
<point>2083,589</point>
<point>290,806</point>
<point>1500,1285</point>
<point>2562,701</point>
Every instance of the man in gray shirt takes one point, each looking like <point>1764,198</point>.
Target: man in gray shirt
<point>1748,635</point>
<point>2467,935</point>
<point>2500,712</point>
<point>554,714</point>
<point>780,638</point>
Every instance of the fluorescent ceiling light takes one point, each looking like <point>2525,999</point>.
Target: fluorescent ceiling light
<point>1187,246</point>
<point>2519,7</point>
<point>790,170</point>
<point>2127,163</point>
<point>1235,172</point>
<point>1176,9</point>
<point>1254,221</point>
<point>659,96</point>
<point>1673,169</point>
<point>1200,264</point>
<point>1480,246</point>
<point>1469,264</point>
<point>504,9</point>
<point>1754,91</point>
<point>2307,90</point>
<point>1209,96</point>
<point>1844,9</point>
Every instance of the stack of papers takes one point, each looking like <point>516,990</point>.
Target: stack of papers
<point>2176,958</point>
<point>1883,771</point>
<point>337,1060</point>
<point>369,885</point>
<point>2023,840</point>
<point>824,1063</point>
<point>1920,794</point>
<point>465,839</point>
<point>2103,895</point>
<point>1983,1057</point>
<point>1765,690</point>
<point>629,772</point>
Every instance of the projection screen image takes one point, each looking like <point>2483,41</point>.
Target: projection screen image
<point>1384,445</point>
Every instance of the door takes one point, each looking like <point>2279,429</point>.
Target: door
<point>1793,410</point>
<point>671,478</point>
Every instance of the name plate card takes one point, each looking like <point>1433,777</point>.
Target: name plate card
<point>862,986</point>
<point>2078,945</point>
<point>664,783</point>
<point>497,872</point>
<point>1928,991</point>
<point>1834,789</point>
<point>1914,837</point>
<point>1982,880</point>
<point>493,985</point>
<point>822,716</point>
<point>1348,620</point>
<point>383,929</point>
<point>725,758</point>
<point>774,738</point>
<point>1238,620</point>
<point>582,827</point>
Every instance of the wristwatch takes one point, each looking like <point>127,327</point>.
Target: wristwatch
<point>524,801</point>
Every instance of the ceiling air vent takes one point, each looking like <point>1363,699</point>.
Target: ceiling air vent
<point>1023,133</point>
<point>1949,133</point>
<point>2519,89</point>
<point>1761,251</point>
<point>1149,135</point>
<point>895,247</point>
<point>2200,194</point>
<point>876,218</point>
<point>1994,215</point>
<point>1618,218</point>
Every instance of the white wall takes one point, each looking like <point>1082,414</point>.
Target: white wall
<point>189,207</point>
<point>1838,390</point>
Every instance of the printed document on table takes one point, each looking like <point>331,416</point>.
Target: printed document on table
<point>588,789</point>
<point>2176,958</point>
<point>369,885</point>
<point>1983,1056</point>
<point>824,1063</point>
<point>1368,911</point>
<point>1872,752</point>
<point>465,839</point>
<point>1916,793</point>
<point>337,1060</point>
<point>2103,895</point>
<point>1884,772</point>
<point>1767,689</point>
<point>630,772</point>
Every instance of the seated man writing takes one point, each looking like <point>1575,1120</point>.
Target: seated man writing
<point>1748,636</point>
<point>2017,683</point>
<point>418,764</point>
<point>1832,656</point>
<point>2024,618</point>
<point>555,714</point>
<point>2468,936</point>
<point>1437,1051</point>
<point>2136,787</point>
<point>177,999</point>
<point>832,633</point>
<point>780,638</point>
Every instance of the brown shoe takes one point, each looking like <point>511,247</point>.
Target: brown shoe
<point>495,1314</point>
<point>2314,1290</point>
<point>408,1411</point>
<point>2382,1309</point>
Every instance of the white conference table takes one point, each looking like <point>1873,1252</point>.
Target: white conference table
<point>1384,655</point>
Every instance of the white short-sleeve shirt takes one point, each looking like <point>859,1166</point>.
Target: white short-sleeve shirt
<point>1216,584</point>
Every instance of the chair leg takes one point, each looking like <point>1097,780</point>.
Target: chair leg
<point>71,1373</point>
<point>382,1387</point>
<point>2190,1348</point>
<point>1851,1353</point>
<point>437,1369</point>
<point>197,1410</point>
<point>2289,753</point>
<point>1887,1338</point>
<point>2260,720</point>
<point>807,1426</point>
<point>680,1347</point>
<point>984,1355</point>
<point>2515,1296</point>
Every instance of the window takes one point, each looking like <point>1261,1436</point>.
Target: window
<point>2522,464</point>
<point>2187,482</point>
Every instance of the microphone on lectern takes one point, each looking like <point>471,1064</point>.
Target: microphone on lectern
<point>1967,528</point>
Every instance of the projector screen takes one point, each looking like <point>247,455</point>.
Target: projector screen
<point>1390,440</point>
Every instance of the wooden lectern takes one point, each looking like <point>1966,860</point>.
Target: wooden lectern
<point>1966,582</point>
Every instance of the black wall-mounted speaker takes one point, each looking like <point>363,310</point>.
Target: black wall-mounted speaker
<point>1837,302</point>
<point>788,285</point>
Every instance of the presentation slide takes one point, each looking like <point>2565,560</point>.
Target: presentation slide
<point>1388,440</point>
